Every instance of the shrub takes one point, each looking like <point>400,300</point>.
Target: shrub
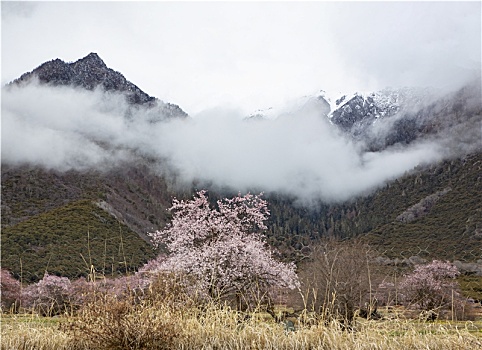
<point>10,291</point>
<point>432,287</point>
<point>107,322</point>
<point>336,280</point>
<point>50,296</point>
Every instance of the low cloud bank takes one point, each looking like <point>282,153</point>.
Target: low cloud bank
<point>299,153</point>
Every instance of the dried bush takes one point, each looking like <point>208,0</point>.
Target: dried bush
<point>127,323</point>
<point>336,281</point>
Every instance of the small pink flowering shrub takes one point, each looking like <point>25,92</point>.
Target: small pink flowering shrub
<point>431,287</point>
<point>10,291</point>
<point>49,296</point>
<point>83,292</point>
<point>223,248</point>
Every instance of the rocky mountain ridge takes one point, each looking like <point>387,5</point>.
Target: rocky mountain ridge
<point>90,73</point>
<point>388,117</point>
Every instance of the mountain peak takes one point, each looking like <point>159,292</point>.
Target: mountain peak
<point>90,72</point>
<point>92,59</point>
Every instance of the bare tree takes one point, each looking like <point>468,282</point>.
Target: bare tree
<point>336,281</point>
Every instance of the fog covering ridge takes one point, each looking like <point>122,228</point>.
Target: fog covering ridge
<point>299,153</point>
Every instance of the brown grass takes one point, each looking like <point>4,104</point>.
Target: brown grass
<point>213,327</point>
<point>166,317</point>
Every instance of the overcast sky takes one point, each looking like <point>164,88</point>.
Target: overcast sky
<point>250,55</point>
<point>220,61</point>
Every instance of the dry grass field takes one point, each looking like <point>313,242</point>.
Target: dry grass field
<point>216,328</point>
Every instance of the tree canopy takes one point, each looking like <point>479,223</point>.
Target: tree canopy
<point>223,247</point>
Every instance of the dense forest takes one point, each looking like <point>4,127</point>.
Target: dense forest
<point>66,222</point>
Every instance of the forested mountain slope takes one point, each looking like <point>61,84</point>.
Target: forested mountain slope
<point>38,203</point>
<point>443,202</point>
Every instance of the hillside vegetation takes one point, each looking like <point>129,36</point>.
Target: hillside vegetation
<point>71,241</point>
<point>47,217</point>
<point>449,228</point>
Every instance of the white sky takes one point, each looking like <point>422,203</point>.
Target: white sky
<point>250,55</point>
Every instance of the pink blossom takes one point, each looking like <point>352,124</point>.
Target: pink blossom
<point>431,286</point>
<point>224,247</point>
<point>49,296</point>
<point>10,290</point>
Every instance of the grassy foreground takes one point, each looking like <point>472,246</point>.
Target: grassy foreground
<point>216,328</point>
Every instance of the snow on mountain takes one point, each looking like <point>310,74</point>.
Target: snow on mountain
<point>400,116</point>
<point>391,116</point>
<point>304,104</point>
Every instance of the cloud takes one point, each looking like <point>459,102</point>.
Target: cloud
<point>409,43</point>
<point>251,55</point>
<point>299,153</point>
<point>62,128</point>
<point>243,55</point>
<point>13,10</point>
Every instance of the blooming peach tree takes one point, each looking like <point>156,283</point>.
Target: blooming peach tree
<point>223,247</point>
<point>432,286</point>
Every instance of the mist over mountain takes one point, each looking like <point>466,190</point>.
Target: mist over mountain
<point>83,115</point>
<point>85,150</point>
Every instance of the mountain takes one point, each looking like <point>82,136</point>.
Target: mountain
<point>70,221</point>
<point>131,200</point>
<point>90,73</point>
<point>433,212</point>
<point>117,208</point>
<point>354,113</point>
<point>401,116</point>
<point>381,119</point>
